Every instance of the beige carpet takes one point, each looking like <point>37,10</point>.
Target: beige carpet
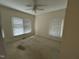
<point>35,47</point>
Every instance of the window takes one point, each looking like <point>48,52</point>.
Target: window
<point>20,26</point>
<point>56,27</point>
<point>3,33</point>
<point>27,26</point>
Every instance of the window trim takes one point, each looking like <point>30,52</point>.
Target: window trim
<point>23,27</point>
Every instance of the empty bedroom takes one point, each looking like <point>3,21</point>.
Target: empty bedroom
<point>32,29</point>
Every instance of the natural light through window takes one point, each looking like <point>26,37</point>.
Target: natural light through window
<point>56,27</point>
<point>21,26</point>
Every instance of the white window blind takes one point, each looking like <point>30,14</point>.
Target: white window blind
<point>56,27</point>
<point>27,26</point>
<point>20,26</point>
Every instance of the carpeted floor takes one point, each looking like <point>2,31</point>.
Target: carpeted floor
<point>35,47</point>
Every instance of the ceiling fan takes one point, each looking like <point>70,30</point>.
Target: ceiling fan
<point>35,6</point>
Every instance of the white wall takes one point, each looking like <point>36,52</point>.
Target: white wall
<point>43,22</point>
<point>6,14</point>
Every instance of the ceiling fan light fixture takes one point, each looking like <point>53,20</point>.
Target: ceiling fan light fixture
<point>35,6</point>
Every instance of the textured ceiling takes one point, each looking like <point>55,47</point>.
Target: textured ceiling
<point>49,5</point>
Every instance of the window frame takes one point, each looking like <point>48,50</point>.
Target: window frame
<point>23,26</point>
<point>51,32</point>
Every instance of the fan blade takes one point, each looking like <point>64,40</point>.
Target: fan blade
<point>39,9</point>
<point>39,5</point>
<point>29,9</point>
<point>28,5</point>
